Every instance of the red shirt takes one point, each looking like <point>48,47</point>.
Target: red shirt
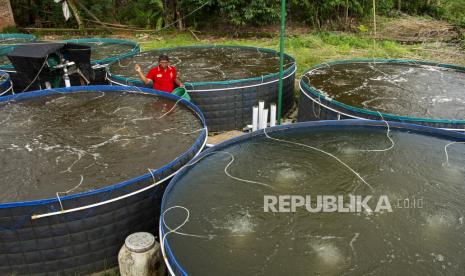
<point>162,79</point>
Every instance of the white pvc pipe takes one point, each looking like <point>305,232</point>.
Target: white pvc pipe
<point>265,118</point>
<point>255,118</point>
<point>272,115</point>
<point>261,106</point>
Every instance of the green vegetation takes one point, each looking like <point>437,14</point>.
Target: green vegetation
<point>455,12</point>
<point>10,30</point>
<point>153,14</point>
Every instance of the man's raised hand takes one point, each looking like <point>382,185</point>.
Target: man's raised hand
<point>137,68</point>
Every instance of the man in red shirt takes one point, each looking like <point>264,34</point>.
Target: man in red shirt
<point>163,76</point>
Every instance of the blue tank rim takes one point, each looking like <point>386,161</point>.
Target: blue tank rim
<point>201,139</point>
<point>336,124</point>
<point>138,82</point>
<point>133,51</point>
<point>315,92</point>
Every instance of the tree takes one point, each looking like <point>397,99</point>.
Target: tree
<point>75,11</point>
<point>6,14</point>
<point>254,12</point>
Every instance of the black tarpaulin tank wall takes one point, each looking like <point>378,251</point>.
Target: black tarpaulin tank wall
<point>62,152</point>
<point>224,81</point>
<point>411,91</point>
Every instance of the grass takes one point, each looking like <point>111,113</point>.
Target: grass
<point>311,48</point>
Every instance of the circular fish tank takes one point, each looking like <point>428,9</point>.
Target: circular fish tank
<point>409,91</point>
<point>224,81</point>
<point>105,51</point>
<point>5,83</point>
<point>84,167</point>
<point>7,43</point>
<point>347,197</point>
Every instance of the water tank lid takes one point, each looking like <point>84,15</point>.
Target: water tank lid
<point>140,242</point>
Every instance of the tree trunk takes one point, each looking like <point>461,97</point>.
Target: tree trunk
<point>399,5</point>
<point>6,14</point>
<point>166,12</point>
<point>31,13</point>
<point>92,15</point>
<point>179,19</point>
<point>178,16</point>
<point>347,12</point>
<point>317,18</point>
<point>374,18</point>
<point>169,11</point>
<point>75,11</point>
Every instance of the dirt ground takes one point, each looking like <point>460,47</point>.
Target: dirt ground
<point>218,138</point>
<point>413,30</point>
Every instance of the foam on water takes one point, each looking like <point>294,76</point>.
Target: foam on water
<point>327,253</point>
<point>454,169</point>
<point>239,224</point>
<point>287,174</point>
<point>329,260</point>
<point>348,150</point>
<point>440,222</point>
<point>200,64</point>
<point>106,138</point>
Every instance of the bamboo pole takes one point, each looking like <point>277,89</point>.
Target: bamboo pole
<point>374,18</point>
<point>113,24</point>
<point>86,29</point>
<point>75,12</point>
<point>281,60</point>
<point>193,34</point>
